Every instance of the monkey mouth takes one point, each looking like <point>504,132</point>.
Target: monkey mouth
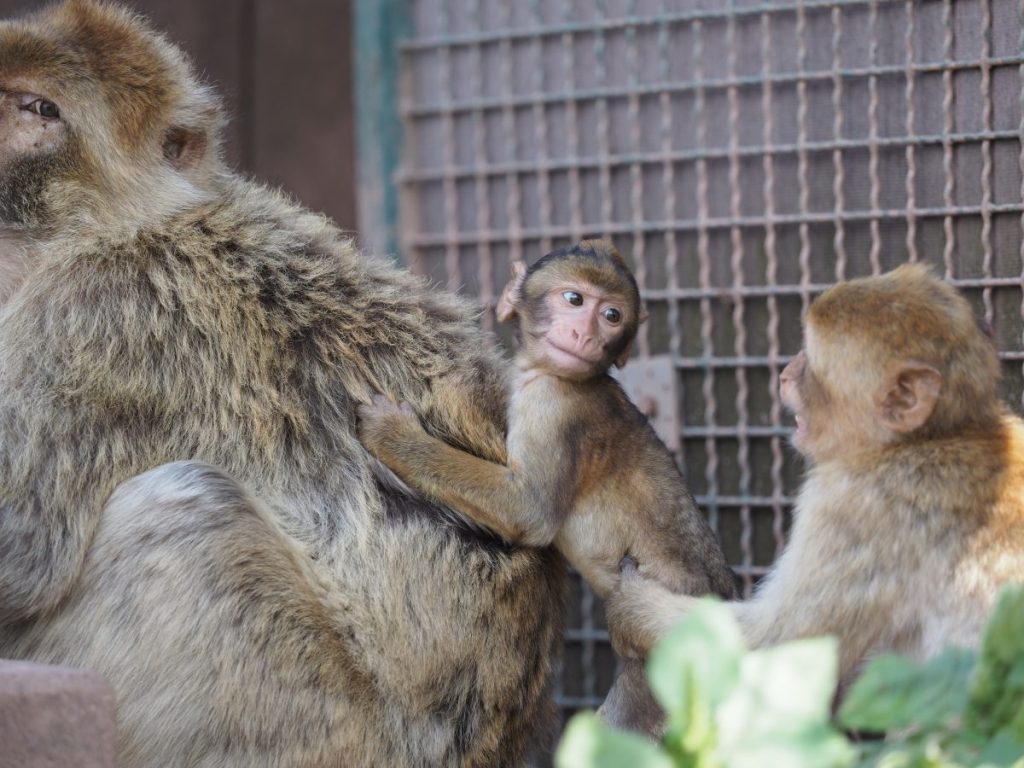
<point>571,358</point>
<point>801,429</point>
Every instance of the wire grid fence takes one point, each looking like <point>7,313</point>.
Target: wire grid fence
<point>745,155</point>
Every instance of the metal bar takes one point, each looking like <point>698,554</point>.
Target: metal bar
<point>540,120</point>
<point>450,196</point>
<point>948,188</point>
<point>413,111</point>
<point>803,184</point>
<point>481,181</point>
<point>425,240</point>
<point>656,158</point>
<point>874,257</point>
<point>700,364</point>
<point>704,259</point>
<point>753,501</point>
<point>675,330</point>
<point>771,291</point>
<point>604,178</point>
<point>771,281</point>
<point>911,183</point>
<point>1020,164</point>
<point>986,160</point>
<point>508,122</point>
<point>636,197</point>
<point>606,25</point>
<point>575,188</point>
<point>838,166</point>
<point>652,294</point>
<point>738,307</point>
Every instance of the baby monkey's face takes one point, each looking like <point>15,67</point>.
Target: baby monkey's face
<point>581,332</point>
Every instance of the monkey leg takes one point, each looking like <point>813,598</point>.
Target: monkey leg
<point>223,644</point>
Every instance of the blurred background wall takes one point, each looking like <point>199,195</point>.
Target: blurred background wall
<point>285,71</point>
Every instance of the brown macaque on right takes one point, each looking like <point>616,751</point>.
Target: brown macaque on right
<point>911,517</point>
<point>585,471</point>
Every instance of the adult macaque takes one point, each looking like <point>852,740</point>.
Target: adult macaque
<point>585,471</point>
<point>284,608</point>
<point>912,514</point>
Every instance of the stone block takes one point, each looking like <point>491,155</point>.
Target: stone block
<point>55,717</point>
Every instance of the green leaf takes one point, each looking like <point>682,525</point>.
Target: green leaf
<point>896,693</point>
<point>1005,750</point>
<point>590,743</point>
<point>814,747</point>
<point>699,657</point>
<point>785,690</point>
<point>689,733</point>
<point>997,686</point>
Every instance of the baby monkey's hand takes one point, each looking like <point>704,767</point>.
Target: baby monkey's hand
<point>635,609</point>
<point>382,421</point>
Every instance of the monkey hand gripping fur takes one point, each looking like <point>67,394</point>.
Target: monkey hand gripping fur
<point>911,517</point>
<point>184,504</point>
<point>585,471</point>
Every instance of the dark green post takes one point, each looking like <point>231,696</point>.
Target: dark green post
<point>380,25</point>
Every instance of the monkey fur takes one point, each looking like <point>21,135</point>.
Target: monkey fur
<point>184,504</point>
<point>911,517</point>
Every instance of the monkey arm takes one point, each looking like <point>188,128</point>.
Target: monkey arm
<point>825,584</point>
<point>640,612</point>
<point>855,603</point>
<point>525,503</point>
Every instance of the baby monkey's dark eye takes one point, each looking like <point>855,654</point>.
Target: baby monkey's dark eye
<point>612,315</point>
<point>573,298</point>
<point>44,108</point>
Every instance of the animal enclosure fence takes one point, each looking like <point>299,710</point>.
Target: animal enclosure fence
<point>744,155</point>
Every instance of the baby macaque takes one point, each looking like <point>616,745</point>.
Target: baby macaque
<point>585,470</point>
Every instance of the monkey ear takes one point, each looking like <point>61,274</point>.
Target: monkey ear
<point>623,357</point>
<point>909,397</point>
<point>183,147</point>
<point>507,303</point>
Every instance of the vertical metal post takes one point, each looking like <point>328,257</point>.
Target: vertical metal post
<point>380,25</point>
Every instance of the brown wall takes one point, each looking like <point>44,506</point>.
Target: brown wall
<point>285,70</point>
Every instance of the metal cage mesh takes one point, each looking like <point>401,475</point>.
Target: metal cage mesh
<point>744,155</point>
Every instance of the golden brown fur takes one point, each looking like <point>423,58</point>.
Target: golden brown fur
<point>267,602</point>
<point>912,514</point>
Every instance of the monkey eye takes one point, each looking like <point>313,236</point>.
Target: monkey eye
<point>612,315</point>
<point>43,108</point>
<point>573,298</point>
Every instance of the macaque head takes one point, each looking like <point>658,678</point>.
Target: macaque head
<point>578,310</point>
<point>100,119</point>
<point>888,359</point>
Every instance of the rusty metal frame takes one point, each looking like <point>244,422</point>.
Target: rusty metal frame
<point>727,279</point>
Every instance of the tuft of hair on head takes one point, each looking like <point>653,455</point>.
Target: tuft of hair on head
<point>596,261</point>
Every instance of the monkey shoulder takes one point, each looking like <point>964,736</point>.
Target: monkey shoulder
<point>942,496</point>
